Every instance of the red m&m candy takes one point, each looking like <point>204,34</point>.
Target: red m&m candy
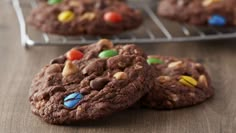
<point>74,54</point>
<point>113,17</point>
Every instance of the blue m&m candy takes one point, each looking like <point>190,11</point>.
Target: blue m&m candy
<point>72,100</point>
<point>217,20</point>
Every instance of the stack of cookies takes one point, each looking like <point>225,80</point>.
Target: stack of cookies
<point>94,81</point>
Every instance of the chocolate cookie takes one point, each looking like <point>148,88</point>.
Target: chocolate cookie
<point>90,82</point>
<point>58,1</point>
<point>85,17</point>
<point>199,12</point>
<point>177,83</point>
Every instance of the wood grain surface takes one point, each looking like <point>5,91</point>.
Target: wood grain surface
<point>18,66</point>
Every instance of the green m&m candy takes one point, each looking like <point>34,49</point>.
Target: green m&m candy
<point>151,61</point>
<point>52,2</point>
<point>107,53</point>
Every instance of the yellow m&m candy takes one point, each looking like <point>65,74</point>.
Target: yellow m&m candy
<point>66,16</point>
<point>188,81</point>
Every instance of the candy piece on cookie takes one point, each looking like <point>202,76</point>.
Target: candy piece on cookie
<point>72,100</point>
<point>217,20</point>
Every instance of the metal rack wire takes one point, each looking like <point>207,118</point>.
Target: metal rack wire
<point>161,31</point>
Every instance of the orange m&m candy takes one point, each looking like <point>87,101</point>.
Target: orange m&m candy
<point>74,54</point>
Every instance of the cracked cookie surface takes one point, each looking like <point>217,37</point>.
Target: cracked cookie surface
<point>90,82</point>
<point>177,83</point>
<point>199,12</point>
<point>85,17</point>
<point>78,0</point>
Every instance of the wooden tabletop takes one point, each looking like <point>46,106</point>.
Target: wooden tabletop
<point>18,66</point>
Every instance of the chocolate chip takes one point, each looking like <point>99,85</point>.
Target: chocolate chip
<point>59,60</point>
<point>100,4</point>
<point>55,68</point>
<point>96,67</point>
<point>119,62</point>
<point>85,90</point>
<point>56,89</point>
<point>98,83</point>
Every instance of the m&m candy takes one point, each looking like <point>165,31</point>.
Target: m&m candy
<point>74,54</point>
<point>107,53</point>
<point>217,20</point>
<point>113,17</point>
<point>66,16</point>
<point>72,100</point>
<point>151,61</point>
<point>52,2</point>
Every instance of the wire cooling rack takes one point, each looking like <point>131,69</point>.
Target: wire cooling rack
<point>153,30</point>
